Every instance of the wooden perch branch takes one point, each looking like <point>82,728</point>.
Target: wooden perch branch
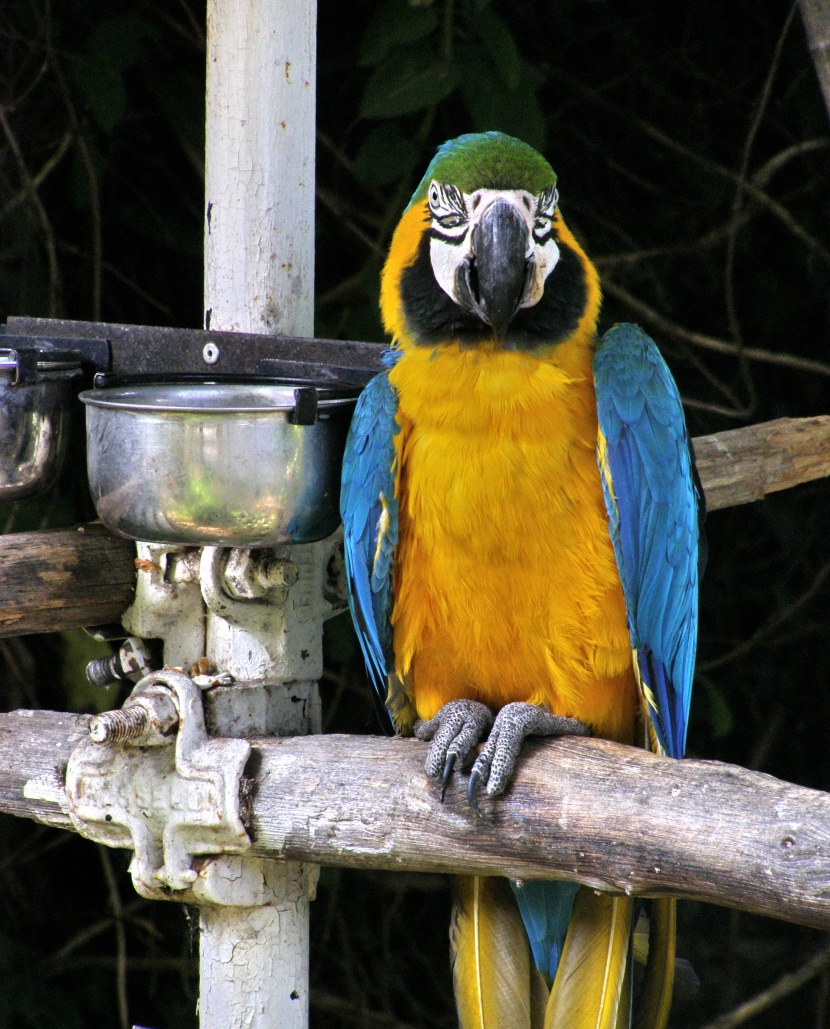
<point>609,816</point>
<point>63,579</point>
<point>741,465</point>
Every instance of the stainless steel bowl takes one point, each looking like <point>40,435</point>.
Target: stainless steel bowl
<point>35,408</point>
<point>216,464</point>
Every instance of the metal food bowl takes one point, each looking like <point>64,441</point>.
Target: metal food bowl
<point>35,407</point>
<point>230,464</point>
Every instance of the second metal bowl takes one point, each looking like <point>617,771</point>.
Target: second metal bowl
<point>217,464</point>
<point>35,407</point>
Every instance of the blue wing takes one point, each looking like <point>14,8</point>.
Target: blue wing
<point>654,502</point>
<point>369,509</point>
<point>545,907</point>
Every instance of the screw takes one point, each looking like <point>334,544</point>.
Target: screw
<point>210,353</point>
<point>276,572</point>
<point>104,671</point>
<point>125,724</point>
<point>131,662</point>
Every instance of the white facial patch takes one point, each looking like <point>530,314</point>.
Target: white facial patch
<point>456,214</point>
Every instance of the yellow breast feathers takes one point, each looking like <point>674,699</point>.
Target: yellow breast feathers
<point>506,585</point>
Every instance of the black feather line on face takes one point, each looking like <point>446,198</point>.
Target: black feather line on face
<point>432,317</point>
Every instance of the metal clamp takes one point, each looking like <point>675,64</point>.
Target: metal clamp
<point>168,795</point>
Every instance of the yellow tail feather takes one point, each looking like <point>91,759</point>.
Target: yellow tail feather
<point>655,997</point>
<point>496,983</point>
<point>588,992</point>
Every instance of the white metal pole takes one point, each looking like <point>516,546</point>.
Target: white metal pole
<point>259,172</point>
<point>259,277</point>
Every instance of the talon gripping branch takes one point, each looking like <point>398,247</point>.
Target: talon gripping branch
<point>521,523</point>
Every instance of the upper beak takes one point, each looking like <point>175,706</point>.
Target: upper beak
<point>492,279</point>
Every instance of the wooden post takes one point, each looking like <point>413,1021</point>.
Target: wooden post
<point>259,277</point>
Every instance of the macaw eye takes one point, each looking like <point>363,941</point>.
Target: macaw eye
<point>450,221</point>
<point>446,201</point>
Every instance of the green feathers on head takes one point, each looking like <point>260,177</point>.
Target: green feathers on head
<point>488,160</point>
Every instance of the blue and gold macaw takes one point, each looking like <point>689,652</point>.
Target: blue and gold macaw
<point>520,511</point>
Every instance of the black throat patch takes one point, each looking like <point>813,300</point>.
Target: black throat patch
<point>432,317</point>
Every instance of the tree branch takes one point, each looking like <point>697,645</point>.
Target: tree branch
<point>783,987</point>
<point>64,578</point>
<point>720,346</point>
<point>611,817</point>
<point>30,189</point>
<point>741,465</point>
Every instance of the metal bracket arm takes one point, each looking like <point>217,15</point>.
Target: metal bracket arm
<point>169,796</point>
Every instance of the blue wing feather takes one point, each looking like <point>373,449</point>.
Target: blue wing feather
<point>545,908</point>
<point>369,509</point>
<point>653,501</point>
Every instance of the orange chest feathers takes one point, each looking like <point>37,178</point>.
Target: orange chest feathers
<point>506,587</point>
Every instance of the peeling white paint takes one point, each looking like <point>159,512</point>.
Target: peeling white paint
<point>47,787</point>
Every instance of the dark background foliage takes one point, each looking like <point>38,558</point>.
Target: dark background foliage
<point>693,156</point>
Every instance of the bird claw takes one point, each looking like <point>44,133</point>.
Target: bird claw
<point>494,765</point>
<point>472,789</point>
<point>449,765</point>
<point>453,733</point>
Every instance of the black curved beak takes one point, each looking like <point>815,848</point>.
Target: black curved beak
<point>491,282</point>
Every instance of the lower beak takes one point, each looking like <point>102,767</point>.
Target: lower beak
<point>491,281</point>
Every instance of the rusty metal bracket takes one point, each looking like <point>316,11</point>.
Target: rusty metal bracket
<point>168,795</point>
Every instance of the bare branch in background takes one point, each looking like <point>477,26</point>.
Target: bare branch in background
<point>786,985</point>
<point>120,937</point>
<point>764,634</point>
<point>721,346</point>
<point>41,176</point>
<point>39,210</point>
<point>91,178</point>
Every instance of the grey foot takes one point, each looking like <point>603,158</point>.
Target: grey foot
<point>454,731</point>
<point>494,765</point>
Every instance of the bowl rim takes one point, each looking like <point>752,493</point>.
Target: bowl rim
<point>128,397</point>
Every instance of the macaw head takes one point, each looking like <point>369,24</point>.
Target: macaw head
<point>482,256</point>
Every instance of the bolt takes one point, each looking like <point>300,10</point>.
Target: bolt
<point>126,724</point>
<point>131,662</point>
<point>210,353</point>
<point>149,715</point>
<point>248,575</point>
<point>276,573</point>
<point>104,671</point>
<point>334,586</point>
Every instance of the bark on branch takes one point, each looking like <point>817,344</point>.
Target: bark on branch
<point>608,816</point>
<point>63,579</point>
<point>741,465</point>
